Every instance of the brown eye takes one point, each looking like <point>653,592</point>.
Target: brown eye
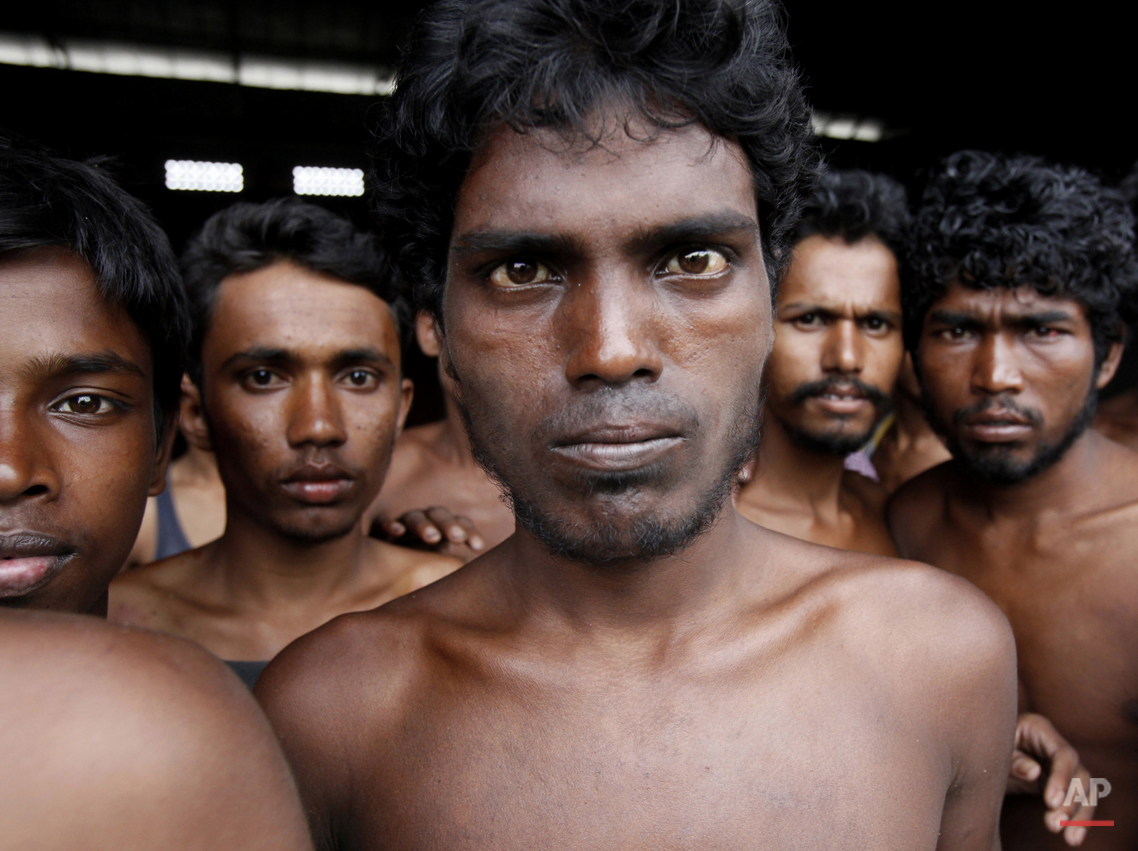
<point>360,378</point>
<point>700,261</point>
<point>520,273</point>
<point>84,403</point>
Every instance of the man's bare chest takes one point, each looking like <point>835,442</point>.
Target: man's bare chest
<point>827,763</point>
<point>1072,601</point>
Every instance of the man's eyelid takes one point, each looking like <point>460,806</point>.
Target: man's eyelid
<point>248,373</point>
<point>104,397</point>
<point>674,252</point>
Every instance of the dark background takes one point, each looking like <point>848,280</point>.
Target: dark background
<point>941,75</point>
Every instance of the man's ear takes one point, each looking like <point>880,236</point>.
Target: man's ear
<point>162,456</point>
<point>427,333</point>
<point>194,425</point>
<point>1109,365</point>
<point>406,394</point>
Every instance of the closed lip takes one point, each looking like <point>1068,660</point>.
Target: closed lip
<point>618,447</point>
<point>997,426</point>
<point>318,484</point>
<point>998,417</point>
<point>29,560</point>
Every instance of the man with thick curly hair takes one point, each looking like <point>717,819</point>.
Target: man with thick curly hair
<point>1022,275</point>
<point>835,359</point>
<point>594,199</point>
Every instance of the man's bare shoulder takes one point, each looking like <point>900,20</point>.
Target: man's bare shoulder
<point>145,737</point>
<point>155,595</point>
<point>903,613</point>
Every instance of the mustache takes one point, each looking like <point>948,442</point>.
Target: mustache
<point>628,403</point>
<point>878,397</point>
<point>1003,403</point>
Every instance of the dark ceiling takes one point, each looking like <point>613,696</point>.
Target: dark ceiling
<point>944,75</point>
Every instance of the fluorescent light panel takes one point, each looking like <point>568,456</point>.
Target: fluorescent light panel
<point>314,180</point>
<point>104,57</point>
<point>204,176</point>
<point>848,127</point>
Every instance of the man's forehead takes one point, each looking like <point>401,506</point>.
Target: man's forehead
<point>1006,302</point>
<point>831,273</point>
<point>544,181</point>
<point>284,306</point>
<point>51,308</point>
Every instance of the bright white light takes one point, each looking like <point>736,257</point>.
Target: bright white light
<point>313,180</point>
<point>848,127</point>
<point>136,60</point>
<point>869,131</point>
<point>313,76</point>
<point>204,177</point>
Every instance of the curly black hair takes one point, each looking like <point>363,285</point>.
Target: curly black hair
<point>989,220</point>
<point>49,201</point>
<point>473,65</point>
<point>853,204</point>
<point>246,237</point>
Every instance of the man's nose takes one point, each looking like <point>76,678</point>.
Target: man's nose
<point>314,414</point>
<point>844,348</point>
<point>610,327</point>
<point>26,468</point>
<point>995,368</point>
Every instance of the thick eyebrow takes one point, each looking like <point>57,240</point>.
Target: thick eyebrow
<point>260,353</point>
<point>952,317</point>
<point>267,354</point>
<point>826,310</point>
<point>1029,320</point>
<point>515,242</point>
<point>695,230</point>
<point>365,355</point>
<point>85,363</point>
<point>1044,317</point>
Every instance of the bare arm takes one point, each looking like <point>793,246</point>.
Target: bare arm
<point>979,707</point>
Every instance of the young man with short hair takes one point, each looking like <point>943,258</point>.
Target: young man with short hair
<point>835,358</point>
<point>593,200</point>
<point>296,368</point>
<point>111,738</point>
<point>1022,275</point>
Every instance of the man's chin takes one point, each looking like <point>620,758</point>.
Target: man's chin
<point>829,442</point>
<point>613,541</point>
<point>312,531</point>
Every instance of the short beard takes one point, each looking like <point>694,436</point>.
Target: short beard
<point>646,537</point>
<point>834,443</point>
<point>997,466</point>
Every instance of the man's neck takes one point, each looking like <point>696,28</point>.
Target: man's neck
<point>262,567</point>
<point>789,478</point>
<point>1063,486</point>
<point>638,603</point>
